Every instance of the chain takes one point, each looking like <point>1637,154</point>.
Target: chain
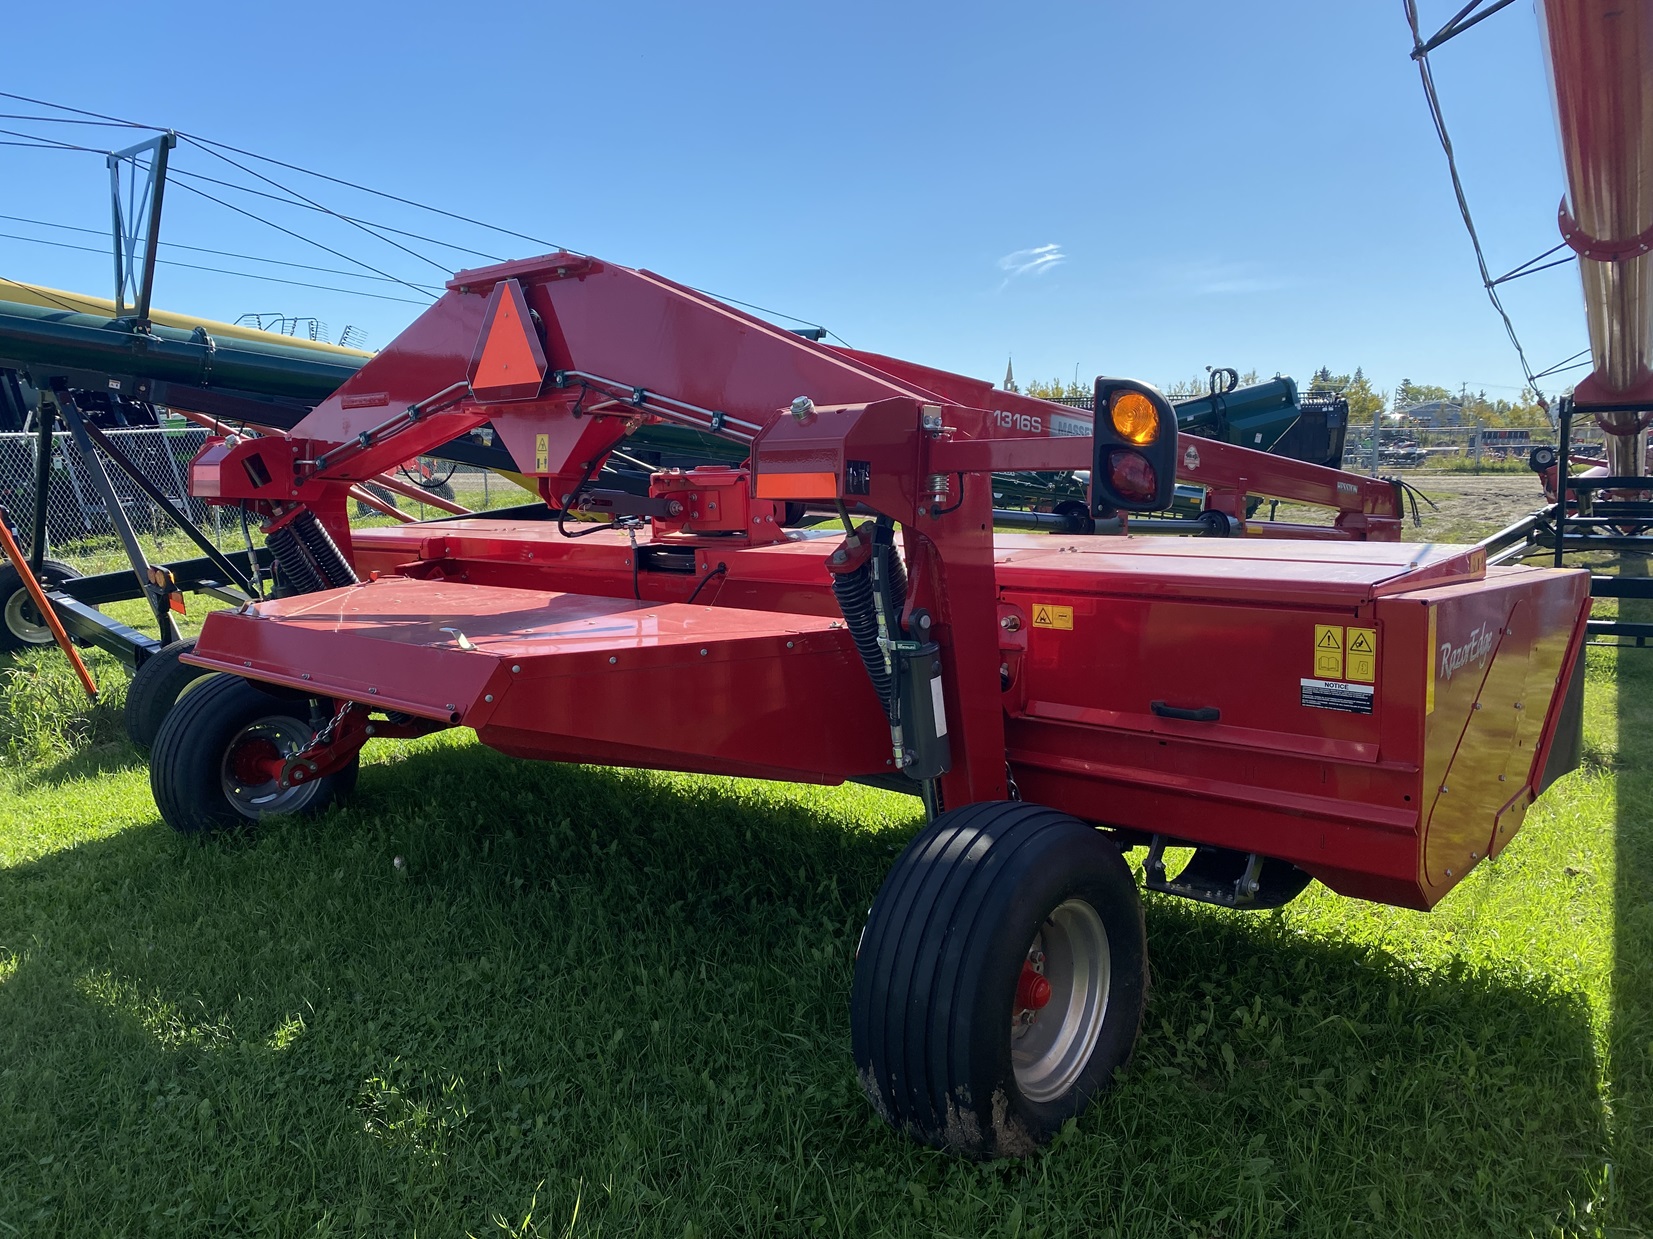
<point>324,737</point>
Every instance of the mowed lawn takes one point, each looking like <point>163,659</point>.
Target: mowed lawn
<point>593,1002</point>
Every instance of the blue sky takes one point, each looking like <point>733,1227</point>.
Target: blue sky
<point>1129,189</point>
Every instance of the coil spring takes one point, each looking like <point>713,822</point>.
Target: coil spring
<point>297,576</point>
<point>853,592</point>
<point>323,550</point>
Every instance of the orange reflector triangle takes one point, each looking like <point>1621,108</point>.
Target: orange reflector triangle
<point>509,363</point>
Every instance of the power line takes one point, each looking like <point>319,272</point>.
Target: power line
<point>249,275</point>
<point>44,292</point>
<point>259,193</point>
<point>1420,53</point>
<point>298,200</point>
<point>201,249</point>
<point>297,236</point>
<point>379,193</point>
<point>293,193</point>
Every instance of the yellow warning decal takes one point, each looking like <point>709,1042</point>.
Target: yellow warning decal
<point>542,453</point>
<point>1429,684</point>
<point>1362,654</point>
<point>1328,651</point>
<point>1048,615</point>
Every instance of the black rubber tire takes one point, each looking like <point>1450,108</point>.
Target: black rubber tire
<point>186,764</point>
<point>382,493</point>
<point>16,607</point>
<point>155,689</point>
<point>939,962</point>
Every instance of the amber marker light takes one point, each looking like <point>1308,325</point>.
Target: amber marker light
<point>1134,417</point>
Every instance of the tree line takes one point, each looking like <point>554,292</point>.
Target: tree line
<point>1365,401</point>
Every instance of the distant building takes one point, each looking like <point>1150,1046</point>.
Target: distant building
<point>1432,413</point>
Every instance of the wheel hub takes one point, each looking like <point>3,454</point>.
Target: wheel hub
<point>252,766</point>
<point>1060,1002</point>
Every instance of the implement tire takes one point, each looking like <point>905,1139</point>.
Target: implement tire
<point>21,626</point>
<point>155,689</point>
<point>1000,980</point>
<point>212,767</point>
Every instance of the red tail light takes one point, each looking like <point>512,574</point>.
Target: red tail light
<point>1132,476</point>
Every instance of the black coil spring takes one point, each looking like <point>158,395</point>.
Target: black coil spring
<point>297,576</point>
<point>854,593</point>
<point>323,550</point>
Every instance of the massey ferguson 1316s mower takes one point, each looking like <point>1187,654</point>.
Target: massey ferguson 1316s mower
<point>1343,707</point>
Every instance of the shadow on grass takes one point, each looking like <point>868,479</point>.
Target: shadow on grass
<point>1630,1054</point>
<point>600,976</point>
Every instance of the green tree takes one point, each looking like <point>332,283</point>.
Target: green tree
<point>1058,389</point>
<point>1365,401</point>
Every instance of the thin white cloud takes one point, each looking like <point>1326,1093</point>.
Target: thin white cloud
<point>1038,261</point>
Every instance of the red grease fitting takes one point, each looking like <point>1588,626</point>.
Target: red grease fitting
<point>1032,990</point>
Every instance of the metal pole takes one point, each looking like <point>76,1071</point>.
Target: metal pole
<point>117,514</point>
<point>1562,467</point>
<point>1377,436</point>
<point>158,188</point>
<point>159,498</point>
<point>43,417</point>
<point>1475,439</point>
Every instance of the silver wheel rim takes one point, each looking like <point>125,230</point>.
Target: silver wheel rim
<point>1049,1047</point>
<point>18,609</point>
<point>262,798</point>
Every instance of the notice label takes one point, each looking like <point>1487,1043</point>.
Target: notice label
<point>1361,655</point>
<point>1328,651</point>
<point>1048,615</point>
<point>1336,695</point>
<point>542,453</point>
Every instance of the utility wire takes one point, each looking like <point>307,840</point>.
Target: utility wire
<point>1421,55</point>
<point>246,275</point>
<point>44,292</point>
<point>247,189</point>
<point>206,143</point>
<point>307,240</point>
<point>378,193</point>
<point>201,249</point>
<point>293,193</point>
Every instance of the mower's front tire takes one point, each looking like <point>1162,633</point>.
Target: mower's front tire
<point>155,688</point>
<point>21,625</point>
<point>1000,980</point>
<point>214,763</point>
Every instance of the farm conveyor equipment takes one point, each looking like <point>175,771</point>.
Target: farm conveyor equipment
<point>1338,706</point>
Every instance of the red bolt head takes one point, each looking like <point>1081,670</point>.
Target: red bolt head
<point>1032,990</point>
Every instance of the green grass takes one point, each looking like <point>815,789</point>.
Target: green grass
<point>606,1002</point>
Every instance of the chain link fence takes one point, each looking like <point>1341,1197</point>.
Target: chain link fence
<point>1456,449</point>
<point>80,534</point>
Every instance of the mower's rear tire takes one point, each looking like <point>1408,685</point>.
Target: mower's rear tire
<point>21,625</point>
<point>950,1044</point>
<point>155,688</point>
<point>210,769</point>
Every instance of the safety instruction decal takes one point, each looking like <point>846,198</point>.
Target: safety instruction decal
<point>542,453</point>
<point>1360,654</point>
<point>1328,651</point>
<point>1345,653</point>
<point>1337,695</point>
<point>1049,615</point>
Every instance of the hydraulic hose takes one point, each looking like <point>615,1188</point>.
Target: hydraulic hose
<point>854,593</point>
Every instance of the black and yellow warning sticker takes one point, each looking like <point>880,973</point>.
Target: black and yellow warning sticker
<point>1049,615</point>
<point>1328,651</point>
<point>1360,654</point>
<point>542,453</point>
